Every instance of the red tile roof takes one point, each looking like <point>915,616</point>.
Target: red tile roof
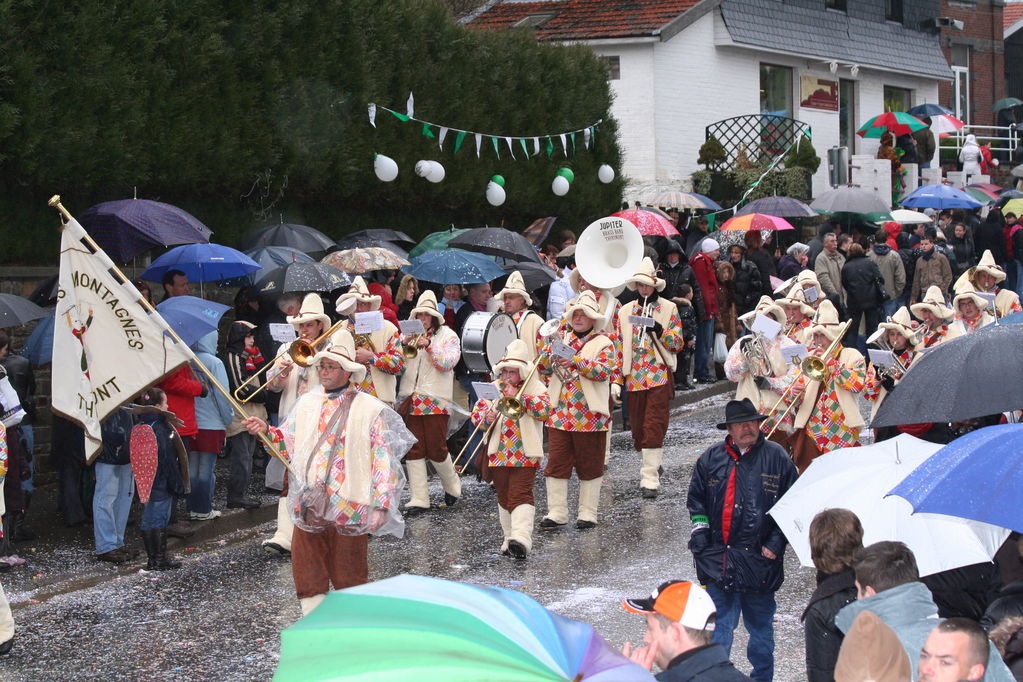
<point>587,19</point>
<point>1011,13</point>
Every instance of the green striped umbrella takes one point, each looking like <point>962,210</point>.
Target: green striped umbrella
<point>435,241</point>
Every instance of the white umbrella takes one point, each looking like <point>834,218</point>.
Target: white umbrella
<point>907,216</point>
<point>858,479</point>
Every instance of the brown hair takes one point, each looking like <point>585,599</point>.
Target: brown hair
<point>884,565</point>
<point>753,240</point>
<point>150,396</point>
<point>980,648</point>
<point>856,249</point>
<point>405,289</point>
<point>835,537</point>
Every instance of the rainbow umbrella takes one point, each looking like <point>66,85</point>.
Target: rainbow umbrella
<point>896,122</point>
<point>757,221</point>
<point>980,194</point>
<point>416,628</point>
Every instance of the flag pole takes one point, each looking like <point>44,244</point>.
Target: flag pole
<point>270,445</point>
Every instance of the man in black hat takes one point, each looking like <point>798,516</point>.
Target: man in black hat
<point>738,549</point>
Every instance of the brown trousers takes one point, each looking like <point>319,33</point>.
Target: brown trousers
<point>319,560</point>
<point>804,449</point>
<point>514,485</point>
<point>579,450</point>
<point>431,432</point>
<point>648,416</point>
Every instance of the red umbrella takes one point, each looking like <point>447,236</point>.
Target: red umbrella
<point>648,222</point>
<point>757,221</point>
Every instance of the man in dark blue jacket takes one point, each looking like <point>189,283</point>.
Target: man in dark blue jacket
<point>738,549</point>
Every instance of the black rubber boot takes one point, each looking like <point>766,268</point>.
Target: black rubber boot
<point>161,554</point>
<point>151,541</point>
<point>22,532</point>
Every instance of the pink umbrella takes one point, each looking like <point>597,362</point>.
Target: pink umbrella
<point>757,221</point>
<point>648,222</point>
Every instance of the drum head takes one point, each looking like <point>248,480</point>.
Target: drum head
<point>500,333</point>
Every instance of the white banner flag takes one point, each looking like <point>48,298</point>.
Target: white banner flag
<point>106,347</point>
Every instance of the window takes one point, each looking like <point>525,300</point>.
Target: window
<point>847,114</point>
<point>614,67</point>
<point>835,4</point>
<point>893,10</point>
<point>961,82</point>
<point>776,90</point>
<point>534,20</point>
<point>897,99</point>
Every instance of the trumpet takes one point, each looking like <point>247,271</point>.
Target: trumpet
<point>409,348</point>
<point>301,353</point>
<point>816,368</point>
<point>363,341</point>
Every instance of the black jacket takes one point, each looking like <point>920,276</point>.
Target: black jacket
<point>966,253</point>
<point>116,433</point>
<point>765,264</point>
<point>168,473</point>
<point>823,638</point>
<point>748,286</point>
<point>762,476</point>
<point>234,357</point>
<point>990,236</point>
<point>704,664</point>
<point>1008,604</point>
<point>860,278</point>
<point>964,592</point>
<point>682,273</point>
<point>23,381</point>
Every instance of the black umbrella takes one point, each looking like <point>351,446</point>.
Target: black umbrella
<point>393,236</point>
<point>45,293</point>
<point>15,310</point>
<point>972,376</point>
<point>535,275</point>
<point>128,227</point>
<point>496,241</point>
<point>356,241</point>
<point>849,199</point>
<point>296,277</point>
<point>301,237</point>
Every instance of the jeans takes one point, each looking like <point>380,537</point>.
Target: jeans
<point>889,308</point>
<point>203,480</point>
<point>704,349</point>
<point>115,486</point>
<point>30,444</point>
<point>156,513</point>
<point>757,610</point>
<point>240,449</point>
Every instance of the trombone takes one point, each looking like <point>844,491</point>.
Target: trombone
<point>509,407</point>
<point>301,352</point>
<point>813,367</point>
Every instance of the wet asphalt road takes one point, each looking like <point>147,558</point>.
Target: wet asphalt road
<point>219,617</point>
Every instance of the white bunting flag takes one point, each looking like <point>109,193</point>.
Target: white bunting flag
<point>410,107</point>
<point>511,150</point>
<point>372,114</point>
<point>106,347</point>
<point>536,146</point>
<point>479,141</point>
<point>564,144</point>
<point>440,137</point>
<point>586,138</point>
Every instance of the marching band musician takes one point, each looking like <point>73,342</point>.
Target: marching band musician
<point>985,279</point>
<point>515,446</point>
<point>763,385</point>
<point>515,301</point>
<point>609,323</point>
<point>798,315</point>
<point>292,383</point>
<point>971,311</point>
<point>579,391</point>
<point>383,358</point>
<point>428,383</point>
<point>649,360</point>
<point>937,318</point>
<point>810,286</point>
<point>828,417</point>
<point>899,336</point>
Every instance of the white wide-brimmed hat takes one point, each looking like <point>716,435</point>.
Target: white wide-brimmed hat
<point>807,276</point>
<point>310,310</point>
<point>826,321</point>
<point>797,298</point>
<point>427,303</point>
<point>969,293</point>
<point>341,350</point>
<point>988,266</point>
<point>765,306</point>
<point>359,293</point>
<point>646,274</point>
<point>587,303</point>
<point>900,322</point>
<point>515,286</point>
<point>934,301</point>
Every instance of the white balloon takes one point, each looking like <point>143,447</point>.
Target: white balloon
<point>385,168</point>
<point>495,194</point>
<point>436,173</point>
<point>423,168</point>
<point>605,173</point>
<point>560,186</point>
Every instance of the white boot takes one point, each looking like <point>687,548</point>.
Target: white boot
<point>417,484</point>
<point>649,478</point>
<point>310,603</point>
<point>506,526</point>
<point>521,531</point>
<point>589,499</point>
<point>449,479</point>
<point>557,503</point>
<point>281,538</point>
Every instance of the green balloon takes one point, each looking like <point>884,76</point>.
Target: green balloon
<point>567,174</point>
<point>498,180</point>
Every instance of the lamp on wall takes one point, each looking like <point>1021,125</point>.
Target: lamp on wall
<point>833,67</point>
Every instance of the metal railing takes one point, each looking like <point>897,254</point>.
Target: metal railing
<point>1001,138</point>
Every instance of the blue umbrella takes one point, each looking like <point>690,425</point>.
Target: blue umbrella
<point>930,109</point>
<point>1015,318</point>
<point>202,263</point>
<point>191,317</point>
<point>129,227</point>
<point>711,204</point>
<point>977,476</point>
<point>940,197</point>
<point>38,346</point>
<point>453,266</point>
<point>268,258</point>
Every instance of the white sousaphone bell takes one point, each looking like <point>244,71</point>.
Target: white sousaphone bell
<point>608,252</point>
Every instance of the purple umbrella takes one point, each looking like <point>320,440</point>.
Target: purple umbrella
<point>129,227</point>
<point>780,207</point>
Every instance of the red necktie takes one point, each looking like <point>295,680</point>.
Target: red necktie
<point>729,506</point>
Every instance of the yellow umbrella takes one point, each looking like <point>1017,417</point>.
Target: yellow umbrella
<point>1013,206</point>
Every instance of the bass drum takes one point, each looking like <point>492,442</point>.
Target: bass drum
<point>484,339</point>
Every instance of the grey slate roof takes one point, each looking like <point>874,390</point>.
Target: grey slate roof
<point>816,31</point>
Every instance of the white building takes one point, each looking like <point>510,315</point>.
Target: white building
<point>677,66</point>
